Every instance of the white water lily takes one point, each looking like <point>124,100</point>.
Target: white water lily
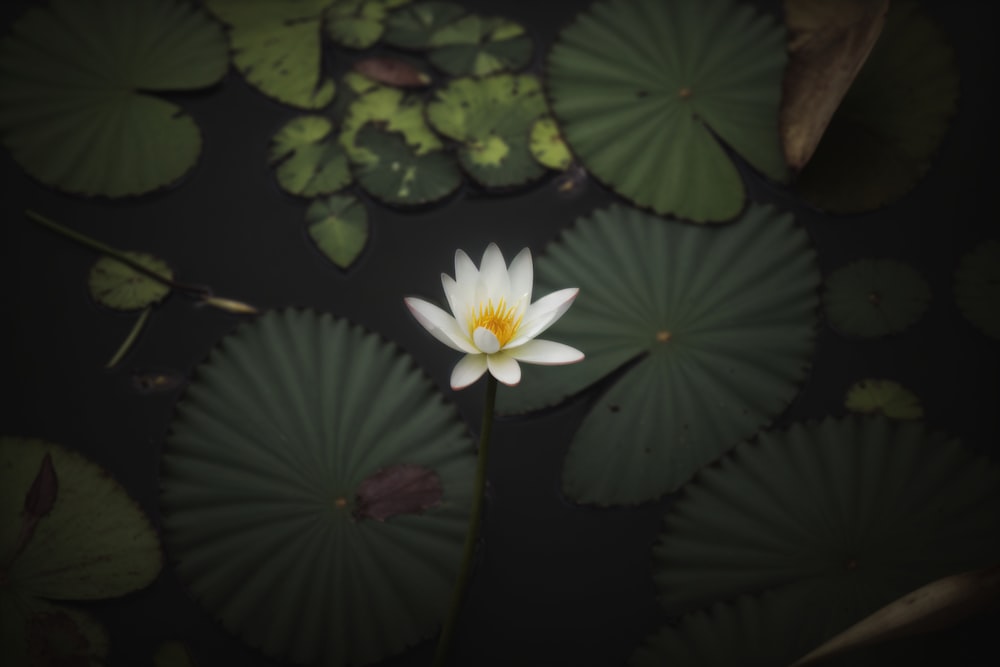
<point>492,318</point>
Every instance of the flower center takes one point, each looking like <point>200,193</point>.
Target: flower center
<point>499,319</point>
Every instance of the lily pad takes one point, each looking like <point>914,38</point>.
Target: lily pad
<point>857,511</point>
<point>308,158</point>
<point>339,227</point>
<point>396,173</point>
<point>412,25</point>
<point>869,298</point>
<point>391,109</point>
<point>478,45</point>
<point>491,118</point>
<point>277,48</point>
<point>647,93</point>
<point>119,286</point>
<point>547,145</point>
<point>977,287</point>
<point>358,24</point>
<point>271,444</point>
<point>892,119</point>
<point>75,78</point>
<point>34,632</point>
<point>701,336</point>
<point>883,397</point>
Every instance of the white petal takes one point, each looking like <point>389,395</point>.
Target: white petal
<point>441,325</point>
<point>469,369</point>
<point>493,278</point>
<point>466,278</point>
<point>504,368</point>
<point>459,306</point>
<point>485,340</point>
<point>542,314</point>
<point>521,276</point>
<point>547,353</point>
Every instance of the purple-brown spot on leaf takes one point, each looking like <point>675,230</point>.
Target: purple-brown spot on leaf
<point>392,72</point>
<point>398,489</point>
<point>39,500</point>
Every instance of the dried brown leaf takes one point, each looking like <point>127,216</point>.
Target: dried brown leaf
<point>392,72</point>
<point>399,489</point>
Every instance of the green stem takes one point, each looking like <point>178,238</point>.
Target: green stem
<point>472,536</point>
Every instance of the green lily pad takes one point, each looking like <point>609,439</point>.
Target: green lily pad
<point>882,137</point>
<point>308,157</point>
<point>648,91</point>
<point>75,78</point>
<point>883,397</point>
<point>339,227</point>
<point>358,24</point>
<point>874,297</point>
<point>412,25</point>
<point>977,287</point>
<point>478,45</point>
<point>491,118</point>
<point>857,511</point>
<point>701,335</point>
<point>119,286</point>
<point>391,109</point>
<point>395,173</point>
<point>547,146</point>
<point>35,632</point>
<point>269,451</point>
<point>277,48</point>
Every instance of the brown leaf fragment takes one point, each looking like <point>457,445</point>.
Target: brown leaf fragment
<point>392,72</point>
<point>828,43</point>
<point>39,500</point>
<point>398,489</point>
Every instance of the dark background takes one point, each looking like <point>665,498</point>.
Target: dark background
<point>557,584</point>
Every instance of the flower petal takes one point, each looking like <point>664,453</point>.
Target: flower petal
<point>452,291</point>
<point>441,325</point>
<point>469,369</point>
<point>521,275</point>
<point>494,283</point>
<point>546,353</point>
<point>466,277</point>
<point>542,314</point>
<point>485,340</point>
<point>504,368</point>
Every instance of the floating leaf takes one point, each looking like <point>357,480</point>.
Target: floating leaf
<point>71,111</point>
<point>977,287</point>
<point>478,46</point>
<point>358,24</point>
<point>828,42</point>
<point>308,158</point>
<point>38,633</point>
<point>394,111</point>
<point>547,145</point>
<point>268,450</point>
<point>277,48</point>
<point>398,489</point>
<point>875,297</point>
<point>645,91</point>
<point>116,285</point>
<point>883,397</point>
<point>339,226</point>
<point>392,72</point>
<point>491,118</point>
<point>395,173</point>
<point>704,334</point>
<point>891,121</point>
<point>411,26</point>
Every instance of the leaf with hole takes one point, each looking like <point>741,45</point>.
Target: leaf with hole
<point>339,227</point>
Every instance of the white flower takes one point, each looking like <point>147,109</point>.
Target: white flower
<point>493,320</point>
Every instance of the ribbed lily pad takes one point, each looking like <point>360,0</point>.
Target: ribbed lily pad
<point>547,146</point>
<point>411,26</point>
<point>859,511</point>
<point>883,397</point>
<point>480,45</point>
<point>116,285</point>
<point>308,157</point>
<point>645,91</point>
<point>270,446</point>
<point>711,331</point>
<point>75,78</point>
<point>492,119</point>
<point>891,121</point>
<point>339,226</point>
<point>277,47</point>
<point>358,24</point>
<point>875,297</point>
<point>395,173</point>
<point>977,287</point>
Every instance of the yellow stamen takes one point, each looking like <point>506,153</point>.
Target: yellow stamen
<point>499,319</point>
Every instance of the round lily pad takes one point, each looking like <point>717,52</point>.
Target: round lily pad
<point>491,118</point>
<point>339,227</point>
<point>308,157</point>
<point>702,337</point>
<point>395,173</point>
<point>883,397</point>
<point>75,81</point>
<point>859,511</point>
<point>977,287</point>
<point>119,286</point>
<point>277,48</point>
<point>875,297</point>
<point>882,137</point>
<point>647,93</point>
<point>412,25</point>
<point>358,24</point>
<point>316,491</point>
<point>480,45</point>
<point>547,145</point>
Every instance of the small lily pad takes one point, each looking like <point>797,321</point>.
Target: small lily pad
<point>411,26</point>
<point>392,171</point>
<point>977,287</point>
<point>476,45</point>
<point>119,286</point>
<point>869,298</point>
<point>358,24</point>
<point>308,157</point>
<point>339,227</point>
<point>883,397</point>
<point>547,145</point>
